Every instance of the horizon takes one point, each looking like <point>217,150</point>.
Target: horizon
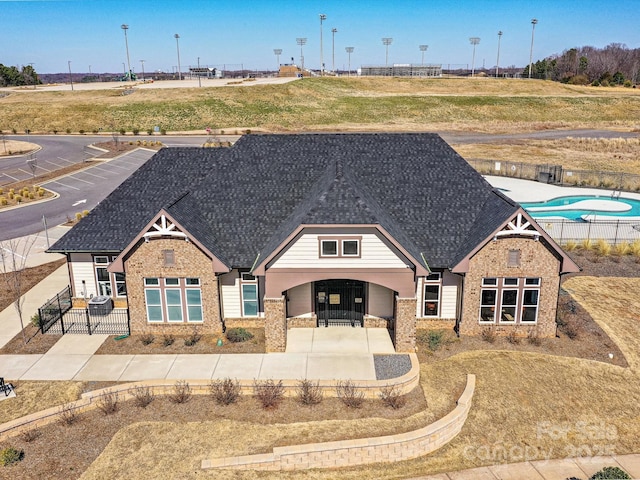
<point>88,33</point>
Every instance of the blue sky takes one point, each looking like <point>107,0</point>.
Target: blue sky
<point>49,33</point>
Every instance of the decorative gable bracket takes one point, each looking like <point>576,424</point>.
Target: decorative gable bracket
<point>164,228</point>
<point>518,226</point>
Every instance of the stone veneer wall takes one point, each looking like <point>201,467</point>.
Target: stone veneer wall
<point>275,325</point>
<point>371,321</point>
<point>147,260</point>
<point>348,453</point>
<point>536,260</point>
<point>246,322</point>
<point>436,323</point>
<point>302,322</point>
<point>405,326</point>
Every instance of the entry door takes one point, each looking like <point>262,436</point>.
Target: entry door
<point>339,302</point>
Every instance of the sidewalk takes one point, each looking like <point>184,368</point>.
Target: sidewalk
<point>561,469</point>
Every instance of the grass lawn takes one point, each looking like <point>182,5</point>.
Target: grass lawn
<point>387,104</point>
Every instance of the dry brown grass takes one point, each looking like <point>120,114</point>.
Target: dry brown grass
<point>597,154</point>
<point>388,104</point>
<point>37,396</point>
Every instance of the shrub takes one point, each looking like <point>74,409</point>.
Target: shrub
<point>18,198</point>
<point>149,131</point>
<point>349,394</point>
<point>11,455</point>
<point>309,393</point>
<point>391,397</point>
<point>610,473</point>
<point>85,213</point>
<point>35,320</point>
<point>488,335</point>
<point>14,131</point>
<point>239,334</point>
<point>135,131</point>
<point>122,131</point>
<point>168,340</point>
<point>435,338</point>
<point>3,201</point>
<point>268,392</point>
<point>55,132</point>
<point>603,248</point>
<point>192,339</point>
<point>95,131</point>
<point>634,248</point>
<point>181,392</point>
<point>586,244</point>
<point>147,339</point>
<point>163,131</point>
<point>68,130</point>
<point>534,339</point>
<point>30,435</point>
<point>570,246</point>
<point>78,217</point>
<point>108,403</point>
<point>225,392</point>
<point>513,337</point>
<point>142,396</point>
<point>81,132</point>
<point>621,249</point>
<point>67,414</point>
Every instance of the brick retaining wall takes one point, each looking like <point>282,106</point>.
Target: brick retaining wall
<point>348,453</point>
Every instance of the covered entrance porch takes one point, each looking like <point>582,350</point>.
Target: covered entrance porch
<point>339,339</point>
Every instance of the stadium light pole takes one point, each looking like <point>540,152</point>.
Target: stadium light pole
<point>474,41</point>
<point>333,48</point>
<point>302,42</point>
<point>534,21</point>
<point>142,62</point>
<point>423,48</point>
<point>277,52</point>
<point>199,81</point>
<point>125,27</point>
<point>349,50</point>
<point>498,59</point>
<point>323,17</point>
<point>70,77</point>
<point>177,37</point>
<point>386,42</point>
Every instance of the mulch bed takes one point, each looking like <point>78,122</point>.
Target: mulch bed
<point>124,144</point>
<point>207,344</point>
<point>65,451</point>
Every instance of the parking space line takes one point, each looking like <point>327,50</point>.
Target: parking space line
<point>121,167</point>
<point>65,160</point>
<point>80,180</point>
<point>65,185</point>
<point>87,172</point>
<point>56,164</point>
<point>101,169</point>
<point>24,171</point>
<point>45,169</point>
<point>13,178</point>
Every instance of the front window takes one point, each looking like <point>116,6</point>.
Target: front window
<point>173,300</point>
<point>432,295</point>
<point>509,305</point>
<point>154,305</point>
<point>530,305</point>
<point>329,248</point>
<point>104,281</point>
<point>350,248</point>
<point>250,300</point>
<point>488,299</point>
<point>519,300</point>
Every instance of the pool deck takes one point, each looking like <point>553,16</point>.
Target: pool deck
<point>525,191</point>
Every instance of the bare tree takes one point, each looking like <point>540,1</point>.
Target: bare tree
<point>13,255</point>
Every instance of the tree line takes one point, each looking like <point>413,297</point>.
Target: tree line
<point>614,64</point>
<point>12,77</point>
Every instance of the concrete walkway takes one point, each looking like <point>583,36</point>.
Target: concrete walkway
<point>561,469</point>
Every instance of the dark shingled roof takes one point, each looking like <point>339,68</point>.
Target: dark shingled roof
<point>244,201</point>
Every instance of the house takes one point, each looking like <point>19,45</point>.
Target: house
<point>315,230</point>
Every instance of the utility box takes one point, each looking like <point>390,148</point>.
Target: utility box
<point>101,305</point>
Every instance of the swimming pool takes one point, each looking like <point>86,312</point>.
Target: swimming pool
<point>583,208</point>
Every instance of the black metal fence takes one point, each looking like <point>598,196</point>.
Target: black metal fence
<point>558,175</point>
<point>611,231</point>
<point>52,312</point>
<point>84,321</point>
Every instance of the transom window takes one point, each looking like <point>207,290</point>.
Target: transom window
<point>516,299</point>
<point>173,300</point>
<point>339,247</point>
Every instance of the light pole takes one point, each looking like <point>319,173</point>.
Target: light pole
<point>302,42</point>
<point>125,27</point>
<point>534,21</point>
<point>386,42</point>
<point>349,50</point>
<point>322,18</point>
<point>333,48</point>
<point>70,77</point>
<point>177,37</point>
<point>142,62</point>
<point>124,70</point>
<point>199,81</point>
<point>423,48</point>
<point>277,52</point>
<point>498,59</point>
<point>474,41</point>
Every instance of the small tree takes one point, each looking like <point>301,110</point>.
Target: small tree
<point>13,258</point>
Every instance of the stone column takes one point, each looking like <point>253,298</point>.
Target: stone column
<point>275,325</point>
<point>405,328</point>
